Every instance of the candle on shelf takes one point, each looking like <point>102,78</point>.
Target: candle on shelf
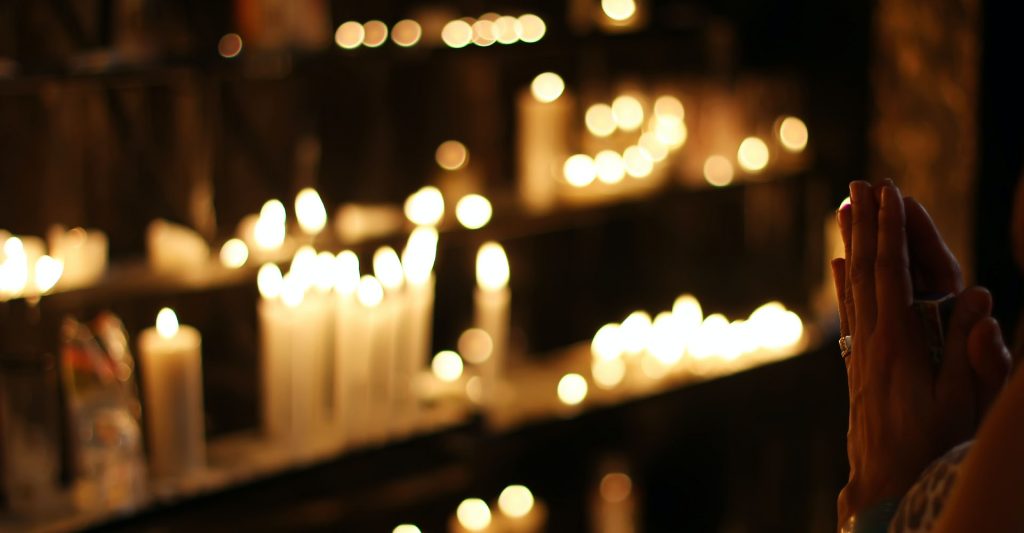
<point>417,264</point>
<point>346,338</point>
<point>307,351</point>
<point>425,207</point>
<point>519,511</point>
<point>544,113</point>
<point>234,253</point>
<point>269,230</point>
<point>471,516</point>
<point>83,252</point>
<point>275,355</point>
<point>388,339</point>
<point>310,212</point>
<point>572,389</point>
<point>173,393</point>
<point>614,507</point>
<point>492,303</point>
<point>369,295</point>
<point>173,248</point>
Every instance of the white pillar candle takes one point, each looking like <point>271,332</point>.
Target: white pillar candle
<point>173,390</point>
<point>346,339</point>
<point>417,263</point>
<point>174,248</point>
<point>492,303</point>
<point>519,512</point>
<point>307,355</point>
<point>389,338</point>
<point>275,366</point>
<point>84,253</point>
<point>369,295</point>
<point>544,116</point>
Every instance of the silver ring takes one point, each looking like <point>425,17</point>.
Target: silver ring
<point>846,345</point>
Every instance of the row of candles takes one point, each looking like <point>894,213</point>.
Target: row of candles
<point>75,258</point>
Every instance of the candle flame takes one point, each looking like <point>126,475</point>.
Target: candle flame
<point>406,528</point>
<point>492,270</point>
<point>619,10</point>
<point>270,229</point>
<point>346,272</point>
<point>473,514</point>
<point>531,28</point>
<point>303,266</point>
<point>310,211</point>
<point>457,33</point>
<point>48,273</point>
<point>752,154</point>
<point>579,170</point>
<point>793,134</point>
<point>668,105</point>
<point>473,211</point>
<point>425,207</point>
<point>635,330</point>
<point>451,155</point>
<point>718,171</point>
<point>167,323</point>
<point>616,487</point>
<point>269,281</point>
<point>628,112</point>
<point>516,501</point>
<point>293,290</point>
<point>608,373</point>
<point>607,343</point>
<point>547,87</point>
<point>324,275</point>
<point>419,254</point>
<point>370,292</point>
<point>447,366</point>
<point>387,267</point>
<point>349,35</point>
<point>599,120</point>
<point>610,167</point>
<point>572,389</point>
<point>234,253</point>
<point>406,33</point>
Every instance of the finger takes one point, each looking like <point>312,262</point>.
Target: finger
<point>955,389</point>
<point>932,260</point>
<point>989,359</point>
<point>839,279</point>
<point>845,216</point>
<point>895,293</point>
<point>862,259</point>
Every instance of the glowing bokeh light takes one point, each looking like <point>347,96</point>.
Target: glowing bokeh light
<point>718,171</point>
<point>628,112</point>
<point>572,389</point>
<point>531,28</point>
<point>610,167</point>
<point>793,134</point>
<point>447,366</point>
<point>752,154</point>
<point>547,87</point>
<point>349,35</point>
<point>234,253</point>
<point>457,33</point>
<point>473,211</point>
<point>229,46</point>
<point>579,170</point>
<point>599,120</point>
<point>406,33</point>
<point>451,155</point>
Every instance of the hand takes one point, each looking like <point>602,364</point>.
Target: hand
<point>902,414</point>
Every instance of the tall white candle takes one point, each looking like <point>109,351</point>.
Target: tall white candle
<point>418,263</point>
<point>544,117</point>
<point>370,294</point>
<point>346,336</point>
<point>388,339</point>
<point>306,356</point>
<point>492,300</point>
<point>275,367</point>
<point>173,391</point>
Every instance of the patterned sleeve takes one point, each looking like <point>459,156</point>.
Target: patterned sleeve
<point>920,507</point>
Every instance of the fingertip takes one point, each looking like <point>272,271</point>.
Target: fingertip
<point>987,351</point>
<point>976,301</point>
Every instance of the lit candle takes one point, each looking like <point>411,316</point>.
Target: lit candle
<point>544,116</point>
<point>519,511</point>
<point>275,366</point>
<point>174,248</point>
<point>472,516</point>
<point>417,264</point>
<point>369,295</point>
<point>173,391</point>
<point>83,252</point>
<point>492,300</point>
<point>346,335</point>
<point>388,338</point>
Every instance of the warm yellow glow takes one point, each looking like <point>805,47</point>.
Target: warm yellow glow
<point>616,487</point>
<point>451,155</point>
<point>634,330</point>
<point>618,10</point>
<point>234,253</point>
<point>473,514</point>
<point>475,389</point>
<point>793,134</point>
<point>775,327</point>
<point>484,33</point>
<point>447,366</point>
<point>547,87</point>
<point>15,268</point>
<point>579,170</point>
<point>490,16</point>
<point>167,323</point>
<point>324,276</point>
<point>370,292</point>
<point>638,162</point>
<point>610,168</point>
<point>457,33</point>
<point>710,337</point>
<point>269,231</point>
<point>670,131</point>
<point>310,211</point>
<point>532,28</point>
<point>572,389</point>
<point>688,312</point>
<point>608,373</point>
<point>419,254</point>
<point>627,112</point>
<point>406,528</point>
<point>229,46</point>
<point>752,154</point>
<point>269,281</point>
<point>668,105</point>
<point>346,272</point>
<point>304,265</point>
<point>387,267</point>
<point>652,367</point>
<point>515,501</point>
<point>664,343</point>
<point>375,33</point>
<point>507,30</point>
<point>47,273</point>
<point>425,207</point>
<point>718,171</point>
<point>473,211</point>
<point>649,141</point>
<point>406,33</point>
<point>492,270</point>
<point>845,202</point>
<point>349,35</point>
<point>607,343</point>
<point>293,289</point>
<point>476,345</point>
<point>599,120</point>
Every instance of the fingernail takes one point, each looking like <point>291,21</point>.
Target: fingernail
<point>887,193</point>
<point>856,191</point>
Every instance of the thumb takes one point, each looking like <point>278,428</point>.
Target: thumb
<point>955,390</point>
<point>990,360</point>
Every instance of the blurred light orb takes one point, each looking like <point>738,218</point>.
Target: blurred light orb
<point>572,389</point>
<point>618,10</point>
<point>234,253</point>
<point>610,168</point>
<point>406,528</point>
<point>349,35</point>
<point>310,211</point>
<point>387,267</point>
<point>476,345</point>
<point>649,142</point>
<point>688,312</point>
<point>718,171</point>
<point>515,501</point>
<point>670,131</point>
<point>607,343</point>
<point>451,155</point>
<point>507,29</point>
<point>531,28</point>
<point>293,290</point>
<point>635,330</point>
<point>668,105</point>
<point>346,272</point>
<point>628,112</point>
<point>269,280</point>
<point>166,323</point>
<point>406,33</point>
<point>608,373</point>
<point>579,170</point>
<point>370,292</point>
<point>457,33</point>
<point>639,162</point>
<point>425,207</point>
<point>492,269</point>
<point>616,487</point>
<point>447,366</point>
<point>599,120</point>
<point>473,211</point>
<point>48,271</point>
<point>473,514</point>
<point>547,87</point>
<point>484,33</point>
<point>230,45</point>
<point>752,154</point>
<point>793,134</point>
<point>375,33</point>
